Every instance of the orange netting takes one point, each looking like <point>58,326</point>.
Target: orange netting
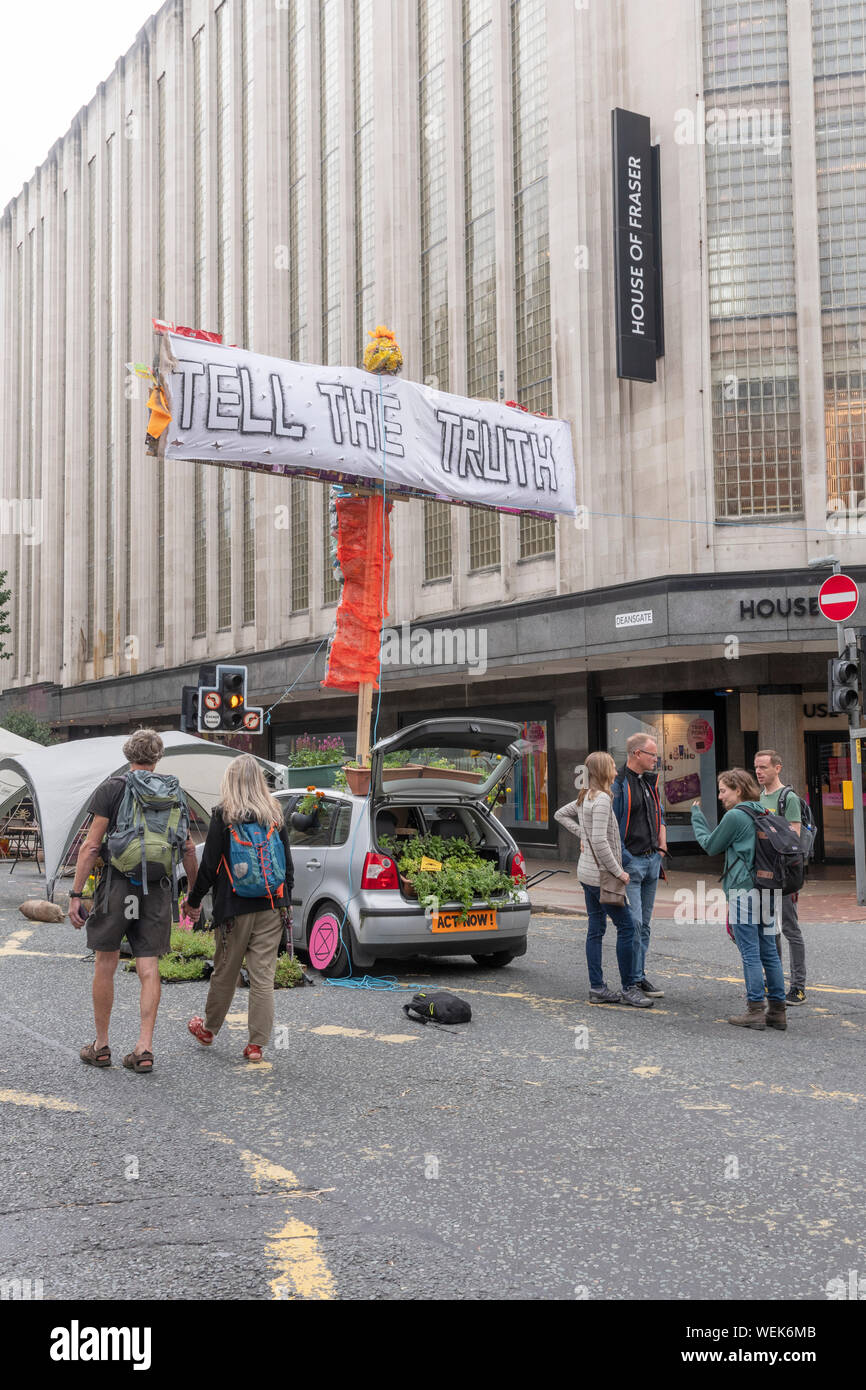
<point>354,655</point>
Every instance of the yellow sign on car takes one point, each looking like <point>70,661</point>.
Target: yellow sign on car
<point>482,919</point>
<point>429,865</point>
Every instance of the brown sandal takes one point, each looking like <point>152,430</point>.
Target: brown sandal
<point>139,1061</point>
<point>96,1057</point>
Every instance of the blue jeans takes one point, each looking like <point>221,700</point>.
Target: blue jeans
<point>643,871</point>
<point>598,913</point>
<point>753,923</point>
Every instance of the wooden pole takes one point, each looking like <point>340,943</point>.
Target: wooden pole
<point>365,709</point>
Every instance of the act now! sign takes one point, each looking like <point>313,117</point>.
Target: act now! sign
<point>341,424</point>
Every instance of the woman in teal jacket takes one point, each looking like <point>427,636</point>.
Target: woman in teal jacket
<point>752,920</point>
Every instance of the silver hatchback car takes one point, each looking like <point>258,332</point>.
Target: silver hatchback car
<point>350,906</point>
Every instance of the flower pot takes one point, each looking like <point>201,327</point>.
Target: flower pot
<point>453,774</point>
<point>358,779</point>
<point>407,887</point>
<point>321,775</point>
<point>399,774</point>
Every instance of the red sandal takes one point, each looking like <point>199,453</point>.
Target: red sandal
<point>198,1030</point>
<point>253,1052</point>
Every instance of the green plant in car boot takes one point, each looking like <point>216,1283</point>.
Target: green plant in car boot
<point>464,877</point>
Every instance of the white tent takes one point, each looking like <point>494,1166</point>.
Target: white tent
<point>11,785</point>
<point>62,778</point>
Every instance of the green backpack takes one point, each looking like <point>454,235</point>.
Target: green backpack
<point>151,829</point>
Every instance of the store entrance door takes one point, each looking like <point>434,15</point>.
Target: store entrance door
<point>828,765</point>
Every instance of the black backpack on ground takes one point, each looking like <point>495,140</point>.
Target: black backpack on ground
<point>439,1007</point>
<point>780,854</point>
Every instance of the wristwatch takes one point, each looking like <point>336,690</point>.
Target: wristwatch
<point>74,895</point>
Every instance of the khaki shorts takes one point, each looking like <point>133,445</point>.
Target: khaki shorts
<point>143,918</point>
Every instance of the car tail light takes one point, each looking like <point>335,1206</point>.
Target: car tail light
<point>380,871</point>
<point>517,867</point>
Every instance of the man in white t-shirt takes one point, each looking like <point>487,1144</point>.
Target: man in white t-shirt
<point>768,767</point>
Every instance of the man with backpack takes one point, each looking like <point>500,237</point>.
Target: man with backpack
<point>140,831</point>
<point>785,802</point>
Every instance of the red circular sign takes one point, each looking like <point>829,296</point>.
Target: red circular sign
<point>838,598</point>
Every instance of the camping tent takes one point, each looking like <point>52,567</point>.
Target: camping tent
<point>62,778</point>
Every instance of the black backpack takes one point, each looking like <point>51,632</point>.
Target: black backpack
<point>440,1007</point>
<point>808,828</point>
<point>780,854</point>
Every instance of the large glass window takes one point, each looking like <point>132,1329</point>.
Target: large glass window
<point>750,260</point>
<point>479,185</point>
<point>109,304</point>
<point>300,544</point>
<point>687,768</point>
<point>433,150</point>
<point>839,48</point>
<point>331,117</point>
<point>365,229</point>
<point>297,183</point>
<point>437,540</point>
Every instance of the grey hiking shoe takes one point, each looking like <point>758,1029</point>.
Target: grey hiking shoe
<point>604,996</point>
<point>651,991</point>
<point>635,996</point>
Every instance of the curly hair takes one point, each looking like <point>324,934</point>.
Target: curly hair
<point>144,746</point>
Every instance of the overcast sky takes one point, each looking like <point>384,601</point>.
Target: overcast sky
<point>56,54</point>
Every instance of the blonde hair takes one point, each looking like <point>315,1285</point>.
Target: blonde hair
<point>743,782</point>
<point>245,796</point>
<point>601,770</point>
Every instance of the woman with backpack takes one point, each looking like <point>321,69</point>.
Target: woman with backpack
<point>248,862</point>
<point>751,913</point>
<point>600,872</point>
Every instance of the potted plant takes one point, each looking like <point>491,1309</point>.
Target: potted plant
<point>326,755</point>
<point>305,816</point>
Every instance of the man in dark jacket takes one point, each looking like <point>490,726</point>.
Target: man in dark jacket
<point>638,809</point>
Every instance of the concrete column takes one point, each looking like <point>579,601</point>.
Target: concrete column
<point>780,726</point>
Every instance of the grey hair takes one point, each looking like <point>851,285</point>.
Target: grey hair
<point>144,746</point>
<point>635,742</point>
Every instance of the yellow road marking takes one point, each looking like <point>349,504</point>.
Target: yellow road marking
<point>293,1253</point>
<point>14,942</point>
<point>333,1030</point>
<point>42,1102</point>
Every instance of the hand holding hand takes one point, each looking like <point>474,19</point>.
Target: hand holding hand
<point>193,913</point>
<point>626,878</point>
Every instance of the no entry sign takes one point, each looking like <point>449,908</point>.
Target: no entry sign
<point>838,598</point>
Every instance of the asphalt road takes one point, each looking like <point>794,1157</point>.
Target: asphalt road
<point>657,1154</point>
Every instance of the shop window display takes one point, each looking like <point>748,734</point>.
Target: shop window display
<point>687,760</point>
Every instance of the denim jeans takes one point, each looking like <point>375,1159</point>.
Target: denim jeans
<point>753,923</point>
<point>794,937</point>
<point>643,871</point>
<point>598,913</point>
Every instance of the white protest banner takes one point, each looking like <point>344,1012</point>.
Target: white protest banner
<point>341,424</point>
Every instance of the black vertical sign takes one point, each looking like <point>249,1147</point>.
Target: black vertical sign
<point>636,221</point>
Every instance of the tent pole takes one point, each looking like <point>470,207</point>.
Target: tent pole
<point>365,709</point>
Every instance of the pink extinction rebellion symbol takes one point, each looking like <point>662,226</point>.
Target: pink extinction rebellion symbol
<point>324,941</point>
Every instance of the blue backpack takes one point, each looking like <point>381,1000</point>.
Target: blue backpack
<point>257,861</point>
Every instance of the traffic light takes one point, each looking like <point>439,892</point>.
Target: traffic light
<point>189,710</point>
<point>221,702</point>
<point>843,673</point>
<point>232,684</point>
